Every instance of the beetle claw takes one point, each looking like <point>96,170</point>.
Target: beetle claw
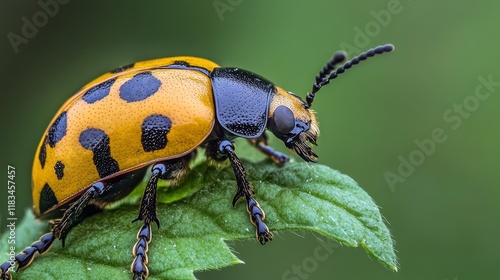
<point>237,197</point>
<point>157,222</point>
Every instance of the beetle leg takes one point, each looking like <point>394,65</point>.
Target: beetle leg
<point>173,169</point>
<point>74,213</point>
<point>25,258</point>
<point>261,144</point>
<point>245,189</point>
<point>60,229</point>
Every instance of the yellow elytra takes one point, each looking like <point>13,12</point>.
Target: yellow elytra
<point>182,95</point>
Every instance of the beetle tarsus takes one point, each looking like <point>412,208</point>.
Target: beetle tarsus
<point>139,266</point>
<point>257,216</point>
<point>4,269</point>
<point>25,258</point>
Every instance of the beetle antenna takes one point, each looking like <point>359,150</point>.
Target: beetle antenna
<point>328,73</point>
<point>337,58</point>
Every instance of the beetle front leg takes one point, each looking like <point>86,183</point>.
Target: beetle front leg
<point>60,229</point>
<point>225,149</point>
<point>260,144</point>
<point>169,170</point>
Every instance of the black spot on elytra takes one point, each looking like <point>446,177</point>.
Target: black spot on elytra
<point>98,92</point>
<point>47,198</point>
<point>140,87</point>
<point>154,132</point>
<point>97,141</point>
<point>42,155</point>
<point>123,68</point>
<point>58,129</point>
<point>59,169</point>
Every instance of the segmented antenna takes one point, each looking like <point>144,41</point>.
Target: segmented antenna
<point>328,73</point>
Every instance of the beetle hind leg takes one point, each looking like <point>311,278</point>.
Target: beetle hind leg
<point>169,170</point>
<point>60,229</point>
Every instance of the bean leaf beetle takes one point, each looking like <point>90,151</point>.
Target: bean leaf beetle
<point>155,114</point>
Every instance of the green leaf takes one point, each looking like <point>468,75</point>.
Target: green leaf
<point>297,196</point>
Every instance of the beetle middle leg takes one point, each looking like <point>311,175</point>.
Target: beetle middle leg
<point>224,149</point>
<point>260,144</point>
<point>168,170</point>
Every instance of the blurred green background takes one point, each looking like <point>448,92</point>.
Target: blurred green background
<point>443,216</point>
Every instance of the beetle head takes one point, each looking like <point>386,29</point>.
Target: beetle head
<point>293,123</point>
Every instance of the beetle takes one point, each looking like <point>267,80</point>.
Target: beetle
<point>155,115</point>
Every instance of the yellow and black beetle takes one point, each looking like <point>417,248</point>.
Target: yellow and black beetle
<point>155,114</point>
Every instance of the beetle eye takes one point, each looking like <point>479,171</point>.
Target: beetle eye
<point>284,120</point>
